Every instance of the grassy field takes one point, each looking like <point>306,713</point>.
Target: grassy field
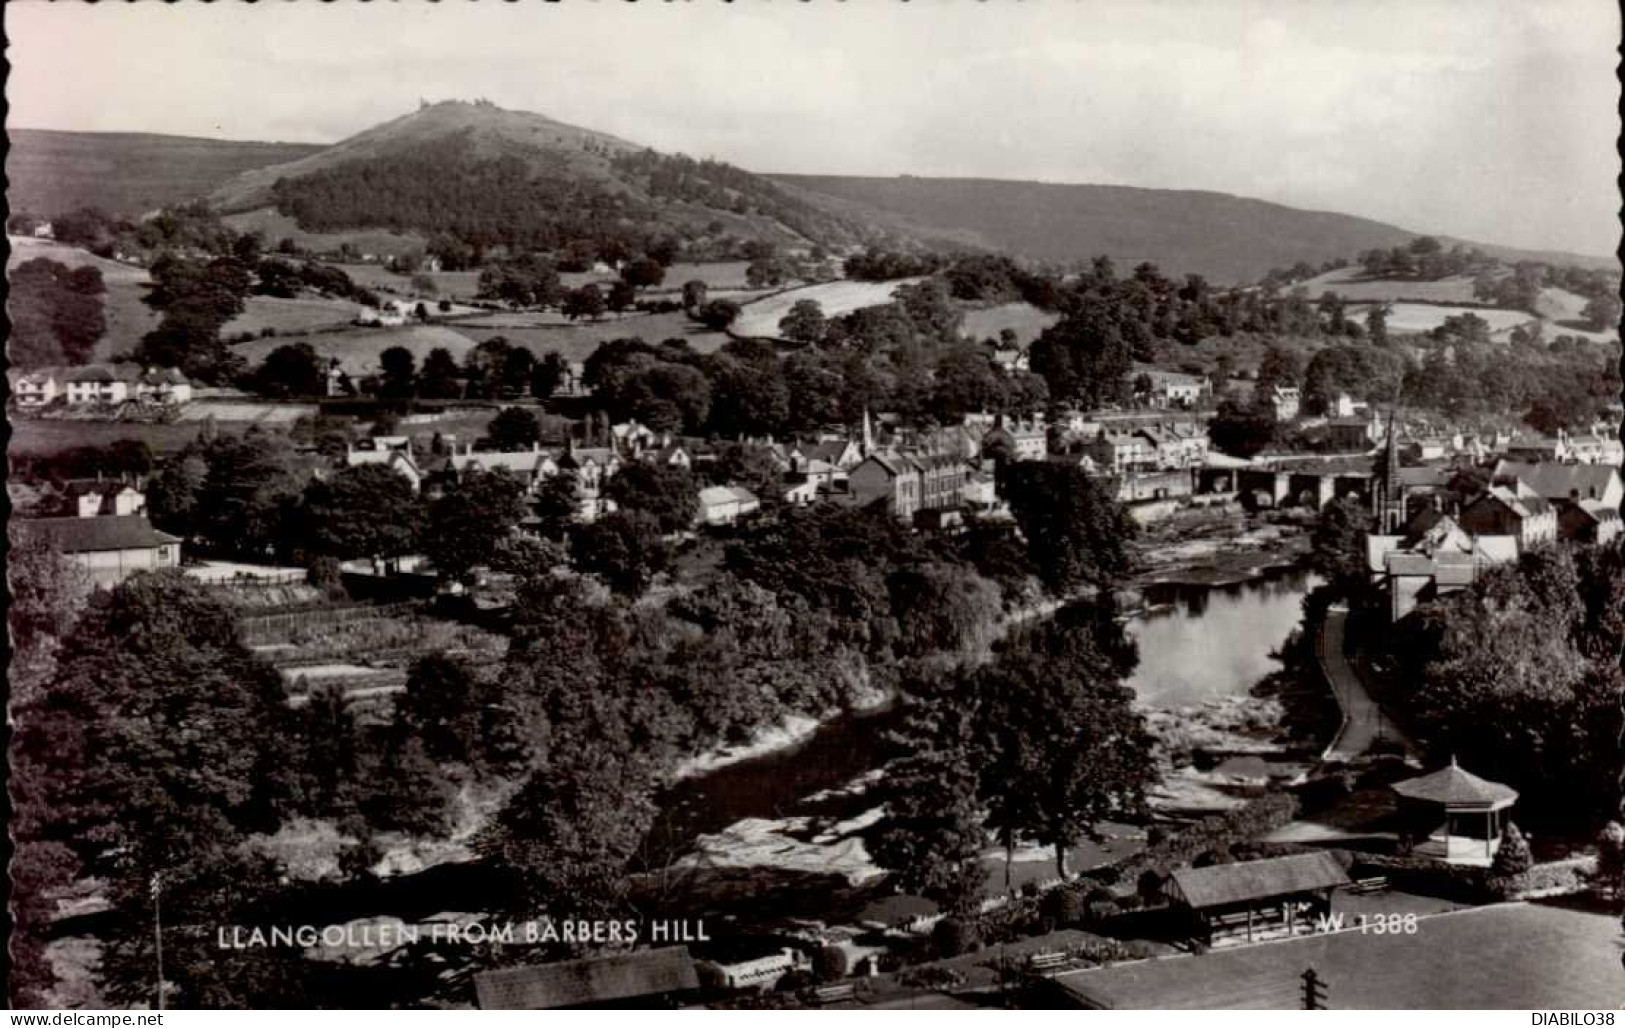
<point>1028,321</point>
<point>298,315</point>
<point>722,278</point>
<point>761,318</point>
<point>276,227</point>
<point>1561,309</point>
<point>448,284</point>
<point>357,350</point>
<point>543,334</point>
<point>246,412</point>
<point>38,438</point>
<point>1351,284</point>
<point>1424,317</point>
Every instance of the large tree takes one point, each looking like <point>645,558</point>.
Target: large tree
<point>469,522</point>
<point>804,323</point>
<point>625,549</point>
<point>399,372</point>
<point>366,511</point>
<point>1338,547</point>
<point>48,595</point>
<point>247,491</point>
<point>1077,533</point>
<point>571,832</point>
<point>56,313</point>
<point>932,833</point>
<point>1042,745</point>
<point>156,746</point>
<point>290,370</point>
<point>665,492</point>
<point>514,428</point>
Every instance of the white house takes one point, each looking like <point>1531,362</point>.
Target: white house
<point>110,549</point>
<point>163,385</point>
<point>38,388</point>
<point>725,504</point>
<point>387,315</point>
<point>103,383</point>
<point>394,453</point>
<point>97,497</point>
<point>1167,388</point>
<point>1287,400</point>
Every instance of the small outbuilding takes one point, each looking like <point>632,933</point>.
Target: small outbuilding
<point>1277,897</point>
<point>1455,815</point>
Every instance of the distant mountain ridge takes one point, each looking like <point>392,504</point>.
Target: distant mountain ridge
<point>127,173</point>
<point>494,177</point>
<point>489,130</point>
<point>1227,238</point>
<point>524,179</point>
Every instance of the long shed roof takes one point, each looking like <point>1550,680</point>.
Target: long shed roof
<point>1223,885</point>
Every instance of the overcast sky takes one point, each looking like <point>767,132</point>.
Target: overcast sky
<point>1493,120</point>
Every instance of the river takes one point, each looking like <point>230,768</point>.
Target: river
<point>1196,643</point>
<point>1201,643</point>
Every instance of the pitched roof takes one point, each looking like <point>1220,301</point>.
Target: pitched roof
<point>1522,506</point>
<point>91,535</point>
<point>830,450</point>
<point>1454,787</point>
<point>716,495</point>
<point>1426,477</point>
<point>1225,884</point>
<point>36,374</point>
<point>77,487</point>
<point>1557,481</point>
<point>574,983</point>
<point>577,456</point>
<point>524,462</point>
<point>106,373</point>
<point>1596,510</point>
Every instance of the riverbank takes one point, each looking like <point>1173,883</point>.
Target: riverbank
<point>788,732</point>
<point>1217,547</point>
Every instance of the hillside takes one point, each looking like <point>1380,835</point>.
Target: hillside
<point>1230,239</point>
<point>126,173</point>
<point>494,177</point>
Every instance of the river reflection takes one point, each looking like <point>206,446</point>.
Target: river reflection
<point>1206,642</point>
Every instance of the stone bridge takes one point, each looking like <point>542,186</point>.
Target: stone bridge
<point>1282,487</point>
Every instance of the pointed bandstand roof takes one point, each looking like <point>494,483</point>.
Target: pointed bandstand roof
<point>1453,787</point>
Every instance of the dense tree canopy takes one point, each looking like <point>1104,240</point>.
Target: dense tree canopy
<point>56,313</point>
<point>366,511</point>
<point>1521,675</point>
<point>1077,533</point>
<point>469,522</point>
